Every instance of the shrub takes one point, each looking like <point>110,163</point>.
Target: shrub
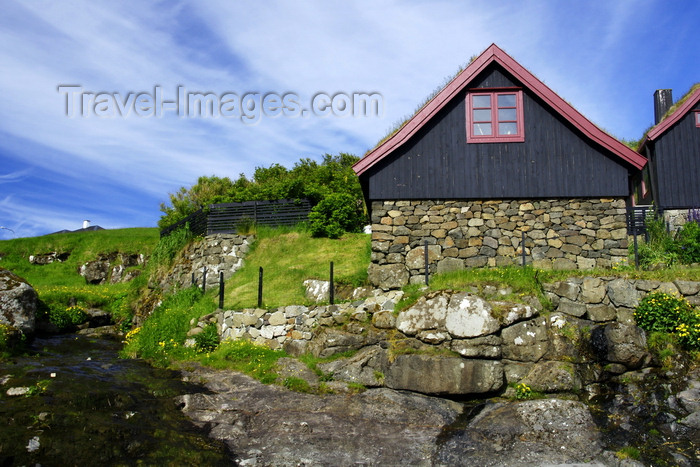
<point>335,214</point>
<point>687,243</point>
<point>661,312</point>
<point>208,339</point>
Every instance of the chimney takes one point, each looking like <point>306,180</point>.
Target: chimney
<point>86,224</point>
<point>663,100</point>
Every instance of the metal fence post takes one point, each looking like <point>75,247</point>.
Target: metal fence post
<point>425,256</point>
<point>221,289</point>
<point>204,279</point>
<point>332,291</point>
<point>260,287</point>
<point>522,248</point>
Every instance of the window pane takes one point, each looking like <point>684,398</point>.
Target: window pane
<point>507,129</point>
<point>483,129</point>
<point>481,101</point>
<point>506,100</point>
<point>506,115</point>
<point>482,115</point>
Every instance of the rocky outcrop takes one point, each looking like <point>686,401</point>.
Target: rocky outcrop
<point>113,268</point>
<point>48,258</point>
<point>18,302</point>
<point>269,425</point>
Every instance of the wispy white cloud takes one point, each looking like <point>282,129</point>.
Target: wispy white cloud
<point>590,53</point>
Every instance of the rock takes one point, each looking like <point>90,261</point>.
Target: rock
<point>469,316</point>
<point>269,425</point>
<point>429,312</point>
<point>600,312</point>
<point>48,258</point>
<point>96,272</point>
<point>449,265</point>
<point>508,313</point>
<point>18,302</point>
<point>333,341</point>
<point>293,368</point>
<point>415,259</point>
<point>317,291</point>
<point>18,391</point>
<point>543,432</point>
<point>622,293</point>
<point>388,276</point>
<point>362,368</point>
<point>384,319</point>
<point>620,343</point>
<point>688,287</point>
<point>457,375</point>
<point>526,341</point>
<point>571,308</point>
<point>592,290</point>
<point>480,347</point>
<point>567,289</point>
<point>553,376</point>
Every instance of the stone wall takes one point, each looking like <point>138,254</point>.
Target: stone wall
<point>559,234</point>
<point>220,252</point>
<point>469,342</point>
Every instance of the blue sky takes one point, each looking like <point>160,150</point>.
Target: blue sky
<point>605,57</point>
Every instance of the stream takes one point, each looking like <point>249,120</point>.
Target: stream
<point>83,405</point>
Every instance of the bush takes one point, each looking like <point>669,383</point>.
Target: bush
<point>661,312</point>
<point>687,243</point>
<point>334,215</point>
<point>208,339</point>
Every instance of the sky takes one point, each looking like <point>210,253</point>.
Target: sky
<point>98,99</point>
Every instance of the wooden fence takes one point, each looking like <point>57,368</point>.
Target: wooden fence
<point>226,217</point>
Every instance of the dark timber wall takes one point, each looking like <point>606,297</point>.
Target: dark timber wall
<point>555,161</point>
<point>676,160</point>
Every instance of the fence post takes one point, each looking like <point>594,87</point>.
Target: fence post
<point>221,289</point>
<point>260,287</point>
<point>331,291</point>
<point>204,279</point>
<point>522,248</point>
<point>193,281</point>
<point>425,257</point>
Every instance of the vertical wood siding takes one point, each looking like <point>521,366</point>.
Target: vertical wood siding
<point>554,161</point>
<point>676,161</point>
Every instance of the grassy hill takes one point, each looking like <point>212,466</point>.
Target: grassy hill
<point>82,246</point>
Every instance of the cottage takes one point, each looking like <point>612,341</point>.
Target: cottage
<point>672,146</point>
<point>493,155</point>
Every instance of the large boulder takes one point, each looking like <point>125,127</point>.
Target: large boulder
<point>434,374</point>
<point>621,343</point>
<point>18,302</point>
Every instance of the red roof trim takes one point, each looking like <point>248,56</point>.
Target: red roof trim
<point>462,80</point>
<point>671,120</point>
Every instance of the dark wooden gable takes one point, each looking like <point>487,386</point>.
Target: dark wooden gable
<point>675,160</point>
<point>555,160</point>
<point>563,154</point>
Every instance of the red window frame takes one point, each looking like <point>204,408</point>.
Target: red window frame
<point>484,111</point>
<point>697,118</point>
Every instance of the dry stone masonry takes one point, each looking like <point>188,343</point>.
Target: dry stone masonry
<point>220,252</point>
<point>559,234</point>
<point>470,342</point>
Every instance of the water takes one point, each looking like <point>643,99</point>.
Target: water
<point>87,406</point>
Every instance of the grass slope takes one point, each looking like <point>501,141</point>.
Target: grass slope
<point>82,246</point>
<point>288,258</point>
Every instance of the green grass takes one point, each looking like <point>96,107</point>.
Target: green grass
<point>82,246</point>
<point>289,257</point>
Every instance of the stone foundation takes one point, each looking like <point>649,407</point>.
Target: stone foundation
<point>559,234</point>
